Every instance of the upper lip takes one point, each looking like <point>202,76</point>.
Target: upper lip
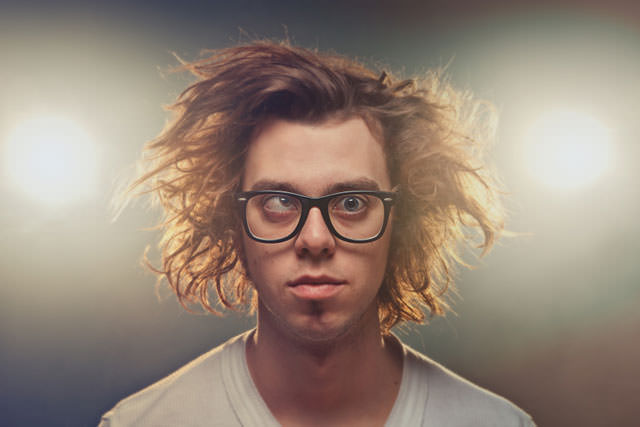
<point>315,280</point>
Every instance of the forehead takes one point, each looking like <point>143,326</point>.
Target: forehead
<point>312,158</point>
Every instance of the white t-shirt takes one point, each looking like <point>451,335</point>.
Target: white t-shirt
<point>216,389</point>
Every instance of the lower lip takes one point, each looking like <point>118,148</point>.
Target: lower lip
<point>316,291</point>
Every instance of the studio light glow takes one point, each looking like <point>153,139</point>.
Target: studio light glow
<point>51,159</point>
<point>567,149</point>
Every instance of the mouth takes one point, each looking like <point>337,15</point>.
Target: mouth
<point>315,287</point>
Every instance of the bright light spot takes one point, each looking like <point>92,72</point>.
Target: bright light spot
<point>568,149</point>
<point>52,159</point>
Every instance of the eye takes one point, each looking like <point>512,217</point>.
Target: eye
<point>351,204</point>
<point>278,203</point>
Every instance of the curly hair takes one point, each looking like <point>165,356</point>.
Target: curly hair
<point>434,138</point>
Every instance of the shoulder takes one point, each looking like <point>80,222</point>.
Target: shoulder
<point>194,393</point>
<point>453,401</point>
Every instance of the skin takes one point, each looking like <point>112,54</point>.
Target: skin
<point>332,342</point>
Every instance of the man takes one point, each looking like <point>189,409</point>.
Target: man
<point>330,200</point>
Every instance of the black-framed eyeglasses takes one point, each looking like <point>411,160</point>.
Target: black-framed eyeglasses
<point>353,216</point>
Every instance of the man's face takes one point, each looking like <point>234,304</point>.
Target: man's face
<point>315,160</point>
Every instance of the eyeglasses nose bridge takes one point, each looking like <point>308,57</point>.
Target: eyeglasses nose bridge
<point>323,206</point>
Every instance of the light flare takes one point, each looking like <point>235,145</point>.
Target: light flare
<point>52,160</point>
<point>568,149</point>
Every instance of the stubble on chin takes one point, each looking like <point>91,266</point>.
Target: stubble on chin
<point>318,332</point>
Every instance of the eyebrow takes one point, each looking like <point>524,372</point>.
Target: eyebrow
<point>365,184</point>
<point>357,184</point>
<point>268,184</point>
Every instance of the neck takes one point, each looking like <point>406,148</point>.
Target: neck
<point>295,375</point>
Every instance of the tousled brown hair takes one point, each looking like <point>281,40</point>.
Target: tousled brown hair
<point>433,136</point>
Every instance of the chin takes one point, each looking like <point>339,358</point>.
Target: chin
<point>316,326</point>
<point>327,330</point>
<point>321,335</point>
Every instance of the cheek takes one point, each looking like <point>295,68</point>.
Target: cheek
<point>373,262</point>
<point>381,264</point>
<point>250,258</point>
<point>261,260</point>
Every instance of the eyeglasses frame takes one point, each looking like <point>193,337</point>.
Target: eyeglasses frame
<point>388,199</point>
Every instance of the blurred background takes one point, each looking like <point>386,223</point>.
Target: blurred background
<point>548,320</point>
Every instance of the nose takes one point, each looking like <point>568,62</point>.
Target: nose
<point>315,238</point>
